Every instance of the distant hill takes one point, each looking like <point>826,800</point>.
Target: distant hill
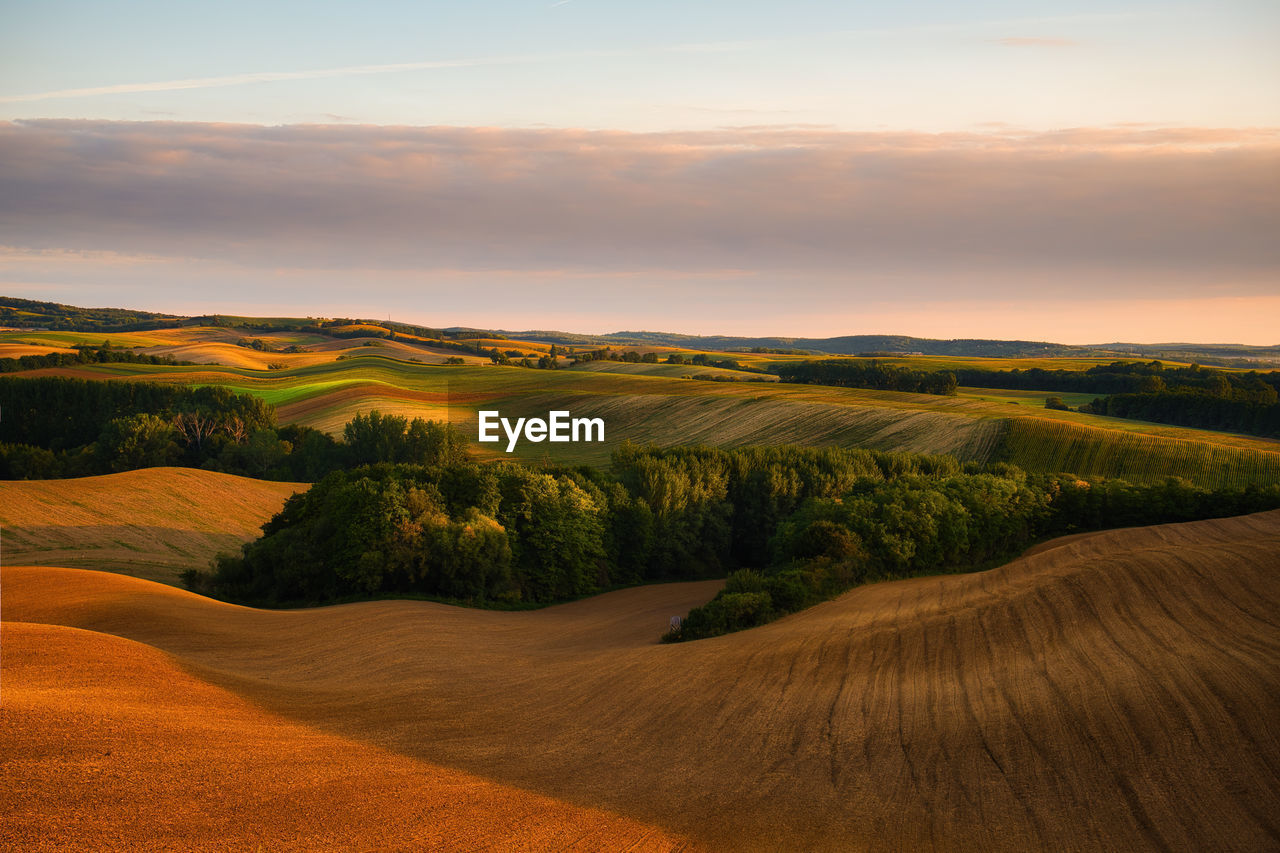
<point>845,345</point>
<point>1223,355</point>
<point>33,314</point>
<point>1219,355</point>
<point>54,316</point>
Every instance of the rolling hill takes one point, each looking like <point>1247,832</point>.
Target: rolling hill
<point>31,314</point>
<point>648,406</point>
<point>151,523</point>
<point>326,381</point>
<point>113,745</point>
<point>1112,691</point>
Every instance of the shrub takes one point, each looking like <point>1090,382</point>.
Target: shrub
<point>728,612</point>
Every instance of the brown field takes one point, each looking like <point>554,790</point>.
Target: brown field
<point>230,354</point>
<point>140,754</point>
<point>1117,691</point>
<point>151,523</point>
<point>17,350</point>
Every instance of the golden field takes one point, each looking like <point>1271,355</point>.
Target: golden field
<point>1115,691</point>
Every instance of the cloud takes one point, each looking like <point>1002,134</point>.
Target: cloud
<point>360,71</point>
<point>262,77</point>
<point>1193,206</point>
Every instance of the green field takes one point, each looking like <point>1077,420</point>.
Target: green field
<point>656,403</point>
<point>1035,399</point>
<point>1044,445</point>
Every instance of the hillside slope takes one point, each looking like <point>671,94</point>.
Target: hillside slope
<point>151,523</point>
<point>92,724</point>
<point>1117,691</point>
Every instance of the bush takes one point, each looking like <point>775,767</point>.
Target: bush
<point>728,612</point>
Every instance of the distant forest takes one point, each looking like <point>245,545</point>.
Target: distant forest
<point>874,374</point>
<point>1194,396</point>
<point>31,314</point>
<point>105,354</point>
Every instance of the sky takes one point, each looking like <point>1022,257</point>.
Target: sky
<point>1077,172</point>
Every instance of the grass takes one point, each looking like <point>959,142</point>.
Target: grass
<point>1034,399</point>
<point>652,403</point>
<point>1044,445</point>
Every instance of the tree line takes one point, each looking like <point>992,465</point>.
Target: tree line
<point>789,526</point>
<point>868,373</point>
<point>1131,377</point>
<point>1193,409</point>
<point>671,514</point>
<point>916,525</point>
<point>1193,396</point>
<point>104,354</point>
<point>56,427</point>
<point>34,314</point>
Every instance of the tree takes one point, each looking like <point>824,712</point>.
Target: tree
<point>138,441</point>
<point>374,437</point>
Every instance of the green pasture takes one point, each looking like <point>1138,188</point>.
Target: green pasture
<point>645,406</point>
<point>1034,399</point>
<point>673,371</point>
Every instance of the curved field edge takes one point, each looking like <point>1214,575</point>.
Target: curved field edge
<point>152,523</point>
<point>1115,691</point>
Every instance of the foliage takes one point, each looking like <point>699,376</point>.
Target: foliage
<point>915,524</point>
<point>32,314</point>
<point>493,533</point>
<point>84,355</point>
<point>868,373</point>
<point>375,437</point>
<point>59,427</point>
<point>137,441</point>
<point>1250,409</point>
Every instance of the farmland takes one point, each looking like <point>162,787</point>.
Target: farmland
<point>1113,692</point>
<point>328,381</point>
<point>151,523</point>
<point>1110,691</point>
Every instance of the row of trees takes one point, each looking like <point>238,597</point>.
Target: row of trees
<point>105,354</point>
<point>671,514</point>
<point>923,525</point>
<point>1192,396</point>
<point>788,525</point>
<point>60,413</point>
<point>59,427</point>
<point>1195,409</point>
<point>1132,377</point>
<point>868,373</point>
<point>34,314</point>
